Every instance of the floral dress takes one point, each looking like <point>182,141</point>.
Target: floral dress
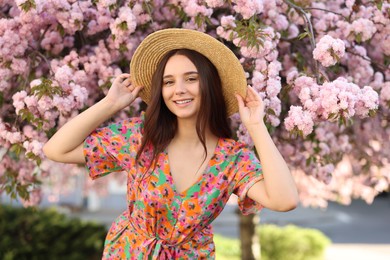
<point>160,222</point>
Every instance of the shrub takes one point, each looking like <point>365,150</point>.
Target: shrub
<point>227,248</point>
<point>30,233</point>
<point>291,243</point>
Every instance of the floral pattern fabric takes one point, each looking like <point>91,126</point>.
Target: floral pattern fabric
<point>160,222</point>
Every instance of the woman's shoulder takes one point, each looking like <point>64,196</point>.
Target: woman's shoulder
<point>133,123</point>
<point>230,145</point>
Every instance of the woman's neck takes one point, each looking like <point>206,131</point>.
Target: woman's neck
<point>186,133</point>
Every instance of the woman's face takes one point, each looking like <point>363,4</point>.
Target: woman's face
<point>180,89</point>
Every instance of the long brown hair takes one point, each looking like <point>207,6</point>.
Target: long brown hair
<point>160,124</point>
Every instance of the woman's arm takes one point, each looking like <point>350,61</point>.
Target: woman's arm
<point>278,190</point>
<point>67,144</point>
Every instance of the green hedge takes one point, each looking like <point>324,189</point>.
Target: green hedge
<point>278,243</point>
<point>291,242</point>
<point>29,233</point>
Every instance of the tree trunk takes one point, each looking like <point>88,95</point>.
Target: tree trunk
<point>250,248</point>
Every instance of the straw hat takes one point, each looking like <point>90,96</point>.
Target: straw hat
<point>152,49</point>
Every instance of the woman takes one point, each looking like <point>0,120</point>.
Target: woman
<point>182,165</point>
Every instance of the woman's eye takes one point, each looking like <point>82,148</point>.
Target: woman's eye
<point>192,79</point>
<point>167,83</point>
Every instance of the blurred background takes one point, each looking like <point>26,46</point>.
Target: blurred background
<point>322,67</point>
<point>355,231</point>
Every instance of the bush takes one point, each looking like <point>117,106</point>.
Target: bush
<point>227,248</point>
<point>30,233</point>
<point>291,243</point>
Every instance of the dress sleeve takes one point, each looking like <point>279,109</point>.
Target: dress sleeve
<point>112,148</point>
<point>248,172</point>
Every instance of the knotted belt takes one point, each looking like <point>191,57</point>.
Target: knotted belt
<point>159,249</point>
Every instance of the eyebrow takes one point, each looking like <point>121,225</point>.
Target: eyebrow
<point>185,74</point>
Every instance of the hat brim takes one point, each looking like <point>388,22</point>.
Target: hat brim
<point>153,48</point>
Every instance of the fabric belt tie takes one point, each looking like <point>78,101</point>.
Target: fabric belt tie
<point>161,250</point>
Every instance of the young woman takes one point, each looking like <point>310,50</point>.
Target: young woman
<point>181,162</point>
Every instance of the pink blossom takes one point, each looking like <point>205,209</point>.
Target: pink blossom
<point>362,29</point>
<point>385,95</point>
<point>215,3</point>
<point>299,119</point>
<point>368,101</point>
<point>248,8</point>
<point>329,50</point>
<point>18,100</point>
<point>273,86</point>
<point>293,31</point>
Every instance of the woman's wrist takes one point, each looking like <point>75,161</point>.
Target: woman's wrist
<point>110,105</point>
<point>256,127</point>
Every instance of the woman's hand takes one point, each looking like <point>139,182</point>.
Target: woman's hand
<point>122,93</point>
<point>251,108</point>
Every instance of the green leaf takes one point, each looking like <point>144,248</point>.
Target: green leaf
<point>303,35</point>
<point>123,26</point>
<point>34,157</point>
<point>26,6</point>
<point>46,89</point>
<point>123,48</point>
<point>1,99</point>
<point>271,112</point>
<point>308,161</point>
<point>95,2</point>
<point>358,37</point>
<point>148,6</point>
<point>112,7</point>
<point>379,4</point>
<point>17,148</point>
<point>373,112</point>
<point>333,116</point>
<point>8,189</point>
<point>386,60</point>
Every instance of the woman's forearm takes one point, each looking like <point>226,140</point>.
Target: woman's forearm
<point>279,183</point>
<point>72,135</point>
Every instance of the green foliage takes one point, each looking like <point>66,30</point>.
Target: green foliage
<point>278,243</point>
<point>227,248</point>
<point>251,31</point>
<point>291,242</point>
<point>26,6</point>
<point>13,188</point>
<point>1,99</point>
<point>30,233</point>
<point>123,26</point>
<point>379,4</point>
<point>46,89</point>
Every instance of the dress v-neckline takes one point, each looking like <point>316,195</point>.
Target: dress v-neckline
<point>200,177</point>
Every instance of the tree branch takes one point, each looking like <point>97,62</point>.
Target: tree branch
<point>381,67</point>
<point>309,27</point>
<point>42,57</point>
<point>329,11</point>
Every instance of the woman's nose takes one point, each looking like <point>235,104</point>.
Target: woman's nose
<point>180,87</point>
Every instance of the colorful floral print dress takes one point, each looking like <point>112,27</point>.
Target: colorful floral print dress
<point>160,222</point>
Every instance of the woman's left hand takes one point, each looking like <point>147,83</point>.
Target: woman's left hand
<point>251,108</point>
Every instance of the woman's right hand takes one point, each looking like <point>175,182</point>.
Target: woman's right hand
<point>67,144</point>
<point>122,93</point>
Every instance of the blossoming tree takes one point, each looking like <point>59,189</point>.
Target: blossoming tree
<point>322,68</point>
